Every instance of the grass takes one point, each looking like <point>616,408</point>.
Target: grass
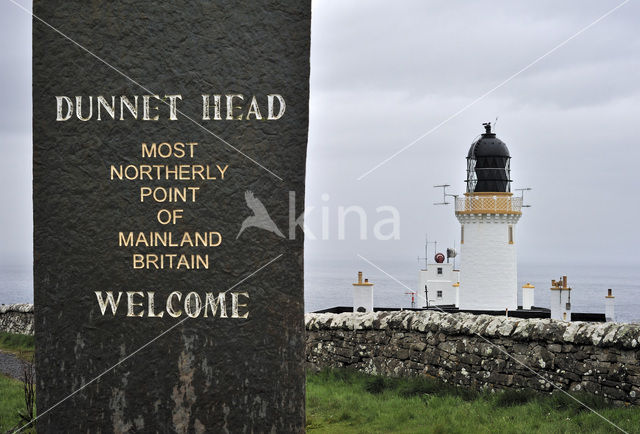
<point>345,401</point>
<point>20,345</point>
<point>11,403</point>
<point>12,391</point>
<point>351,402</point>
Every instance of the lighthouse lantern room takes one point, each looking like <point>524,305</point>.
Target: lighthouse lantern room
<point>488,214</point>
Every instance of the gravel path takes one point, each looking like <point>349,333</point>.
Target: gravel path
<point>11,365</point>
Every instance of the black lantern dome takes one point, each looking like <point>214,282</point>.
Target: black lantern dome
<point>488,164</point>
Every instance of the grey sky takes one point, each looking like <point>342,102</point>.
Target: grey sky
<point>383,73</point>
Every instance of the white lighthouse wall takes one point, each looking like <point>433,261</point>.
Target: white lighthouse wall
<point>456,278</point>
<point>489,276</point>
<point>438,282</point>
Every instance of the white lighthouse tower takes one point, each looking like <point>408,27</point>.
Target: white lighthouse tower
<point>488,214</point>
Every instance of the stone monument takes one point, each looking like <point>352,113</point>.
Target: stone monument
<point>168,183</point>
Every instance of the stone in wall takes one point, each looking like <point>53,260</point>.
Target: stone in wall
<point>16,318</point>
<point>482,351</point>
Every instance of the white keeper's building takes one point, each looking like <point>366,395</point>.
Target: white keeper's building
<point>439,284</point>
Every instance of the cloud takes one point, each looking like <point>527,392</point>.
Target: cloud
<point>385,73</point>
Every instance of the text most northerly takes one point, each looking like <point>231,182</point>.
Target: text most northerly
<point>176,172</point>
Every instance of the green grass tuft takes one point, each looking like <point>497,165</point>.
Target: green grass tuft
<point>21,345</point>
<point>16,342</point>
<point>510,398</point>
<point>560,401</point>
<point>11,402</point>
<point>353,402</point>
<point>377,384</point>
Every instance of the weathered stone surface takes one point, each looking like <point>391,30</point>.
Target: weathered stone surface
<point>205,374</point>
<point>16,318</point>
<point>483,351</point>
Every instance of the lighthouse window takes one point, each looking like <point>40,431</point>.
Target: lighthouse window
<point>439,270</point>
<point>510,234</point>
<point>439,294</point>
<point>462,234</point>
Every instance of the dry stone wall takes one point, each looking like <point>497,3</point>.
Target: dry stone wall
<point>16,318</point>
<point>482,351</point>
<point>478,351</point>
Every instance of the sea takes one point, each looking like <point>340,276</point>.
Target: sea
<point>328,284</point>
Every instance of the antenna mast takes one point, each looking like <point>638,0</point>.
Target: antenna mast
<point>522,190</point>
<point>426,250</point>
<point>426,255</point>
<point>444,194</point>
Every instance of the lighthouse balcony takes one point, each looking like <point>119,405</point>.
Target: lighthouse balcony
<point>488,203</point>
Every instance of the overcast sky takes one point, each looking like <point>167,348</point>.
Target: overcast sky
<point>385,73</point>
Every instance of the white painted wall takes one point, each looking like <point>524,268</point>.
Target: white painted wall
<point>438,282</point>
<point>489,272</point>
<point>527,297</point>
<point>456,278</point>
<point>609,308</point>
<point>559,300</point>
<point>363,297</point>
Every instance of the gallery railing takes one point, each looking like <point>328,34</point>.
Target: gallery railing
<point>488,204</point>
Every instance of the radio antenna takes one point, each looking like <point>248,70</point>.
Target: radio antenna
<point>426,251</point>
<point>444,194</point>
<point>522,190</point>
